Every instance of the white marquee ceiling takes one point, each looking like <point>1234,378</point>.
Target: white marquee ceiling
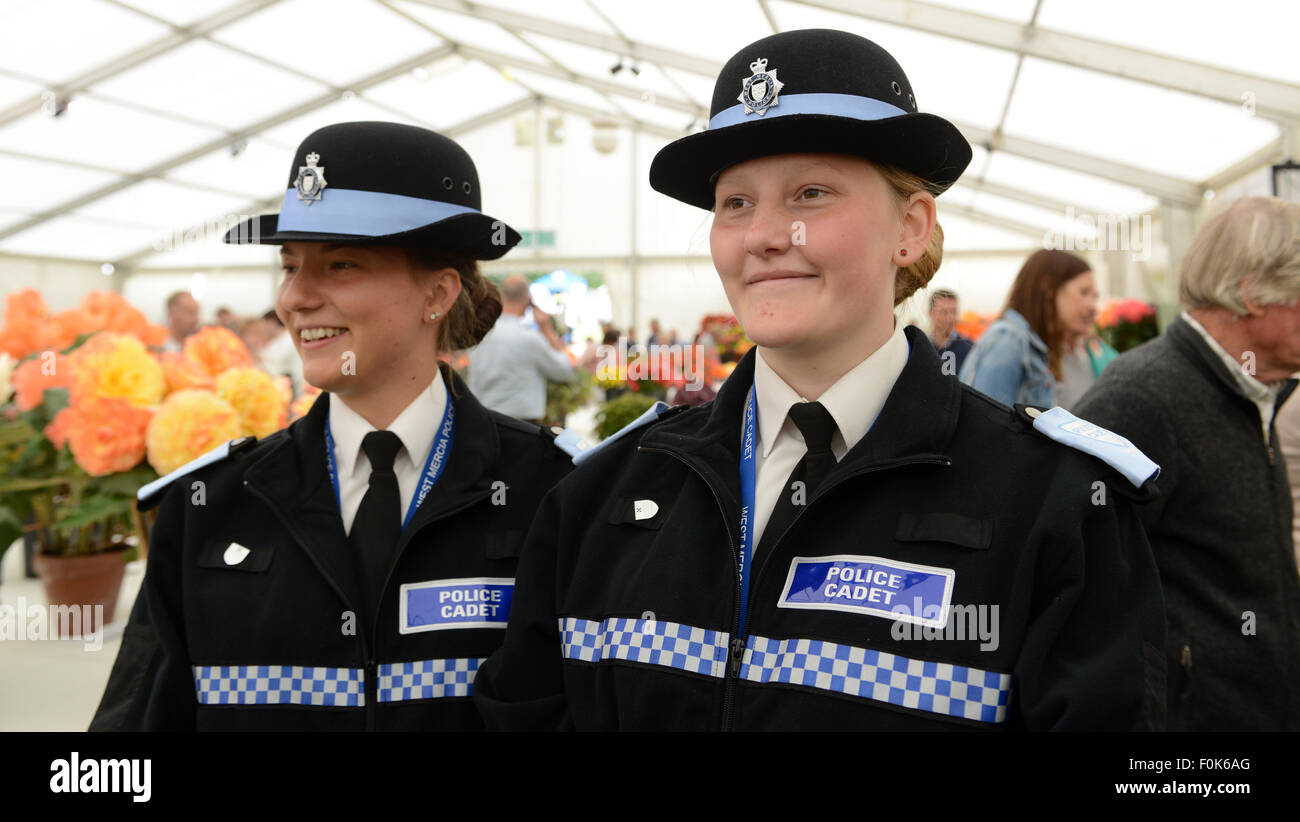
<point>1112,106</point>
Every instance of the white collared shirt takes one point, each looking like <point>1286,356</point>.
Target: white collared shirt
<point>1264,395</point>
<point>854,401</point>
<point>416,427</point>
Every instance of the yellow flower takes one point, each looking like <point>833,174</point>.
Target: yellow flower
<point>260,402</point>
<point>303,404</point>
<point>115,365</point>
<point>189,424</point>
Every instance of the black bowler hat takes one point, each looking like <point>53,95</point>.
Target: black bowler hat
<point>385,184</point>
<point>836,93</point>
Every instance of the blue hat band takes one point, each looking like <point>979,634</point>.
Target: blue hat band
<point>363,213</point>
<point>836,105</point>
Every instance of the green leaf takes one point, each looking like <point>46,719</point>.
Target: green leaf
<point>18,484</point>
<point>94,509</point>
<point>16,432</point>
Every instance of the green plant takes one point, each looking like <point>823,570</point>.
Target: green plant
<point>45,490</point>
<point>563,398</point>
<point>618,412</point>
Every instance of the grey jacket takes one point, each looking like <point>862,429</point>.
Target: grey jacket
<point>1220,530</point>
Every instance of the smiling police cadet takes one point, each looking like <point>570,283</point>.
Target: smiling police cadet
<point>352,571</point>
<point>794,554</point>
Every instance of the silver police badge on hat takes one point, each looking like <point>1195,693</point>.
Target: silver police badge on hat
<point>311,179</point>
<point>760,89</point>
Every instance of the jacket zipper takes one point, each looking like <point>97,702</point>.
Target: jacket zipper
<point>736,647</point>
<point>369,669</point>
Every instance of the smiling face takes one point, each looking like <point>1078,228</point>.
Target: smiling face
<point>357,316</point>
<point>807,246</point>
<point>1076,306</point>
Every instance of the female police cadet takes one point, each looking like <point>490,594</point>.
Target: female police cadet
<point>351,571</point>
<point>847,537</point>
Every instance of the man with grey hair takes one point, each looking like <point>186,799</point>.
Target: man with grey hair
<point>1201,402</point>
<point>943,330</point>
<point>508,370</point>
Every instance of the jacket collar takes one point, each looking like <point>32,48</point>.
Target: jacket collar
<point>916,423</point>
<point>1015,318</point>
<point>1185,338</point>
<point>294,478</point>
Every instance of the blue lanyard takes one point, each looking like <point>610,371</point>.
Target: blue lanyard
<point>432,466</point>
<point>748,445</point>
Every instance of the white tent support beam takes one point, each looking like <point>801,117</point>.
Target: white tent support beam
<point>179,36</point>
<point>1004,223</point>
<point>575,34</point>
<point>1268,155</point>
<point>601,86</point>
<point>1154,183</point>
<point>213,145</point>
<point>1275,99</point>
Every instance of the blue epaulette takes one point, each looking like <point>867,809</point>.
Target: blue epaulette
<point>1107,446</point>
<point>148,494</point>
<point>581,449</point>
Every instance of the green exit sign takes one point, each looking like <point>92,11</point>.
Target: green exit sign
<point>537,239</point>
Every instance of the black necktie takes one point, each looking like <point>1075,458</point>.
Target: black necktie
<point>817,426</point>
<point>378,522</point>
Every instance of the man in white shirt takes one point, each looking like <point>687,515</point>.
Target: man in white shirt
<point>508,370</point>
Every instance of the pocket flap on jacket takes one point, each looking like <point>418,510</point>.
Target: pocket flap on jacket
<point>643,513</point>
<point>940,526</point>
<point>234,556</point>
<point>503,544</point>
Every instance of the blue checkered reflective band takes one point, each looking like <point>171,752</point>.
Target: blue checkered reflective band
<point>651,641</point>
<point>279,685</point>
<point>427,679</point>
<point>939,687</point>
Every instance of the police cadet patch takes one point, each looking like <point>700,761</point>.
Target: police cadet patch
<point>875,586</point>
<point>439,605</point>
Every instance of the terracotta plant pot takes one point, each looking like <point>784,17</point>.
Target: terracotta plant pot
<point>94,579</point>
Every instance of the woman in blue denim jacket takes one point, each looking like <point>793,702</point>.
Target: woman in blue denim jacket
<point>1050,308</point>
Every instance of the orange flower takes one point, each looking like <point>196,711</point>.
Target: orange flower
<point>115,365</point>
<point>303,404</point>
<point>111,312</point>
<point>261,404</point>
<point>189,424</point>
<point>105,435</point>
<point>31,378</point>
<point>217,349</point>
<point>181,372</point>
<point>25,323</point>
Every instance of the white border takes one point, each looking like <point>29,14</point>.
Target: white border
<point>403,628</point>
<point>947,573</point>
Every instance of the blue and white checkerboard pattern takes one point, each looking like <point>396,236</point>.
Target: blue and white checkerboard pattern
<point>279,685</point>
<point>953,690</point>
<point>651,641</point>
<point>427,679</point>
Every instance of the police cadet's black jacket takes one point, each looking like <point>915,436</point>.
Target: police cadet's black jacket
<point>285,604</point>
<point>945,478</point>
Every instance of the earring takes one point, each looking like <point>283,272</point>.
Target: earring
<point>435,315</point>
<point>902,252</point>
